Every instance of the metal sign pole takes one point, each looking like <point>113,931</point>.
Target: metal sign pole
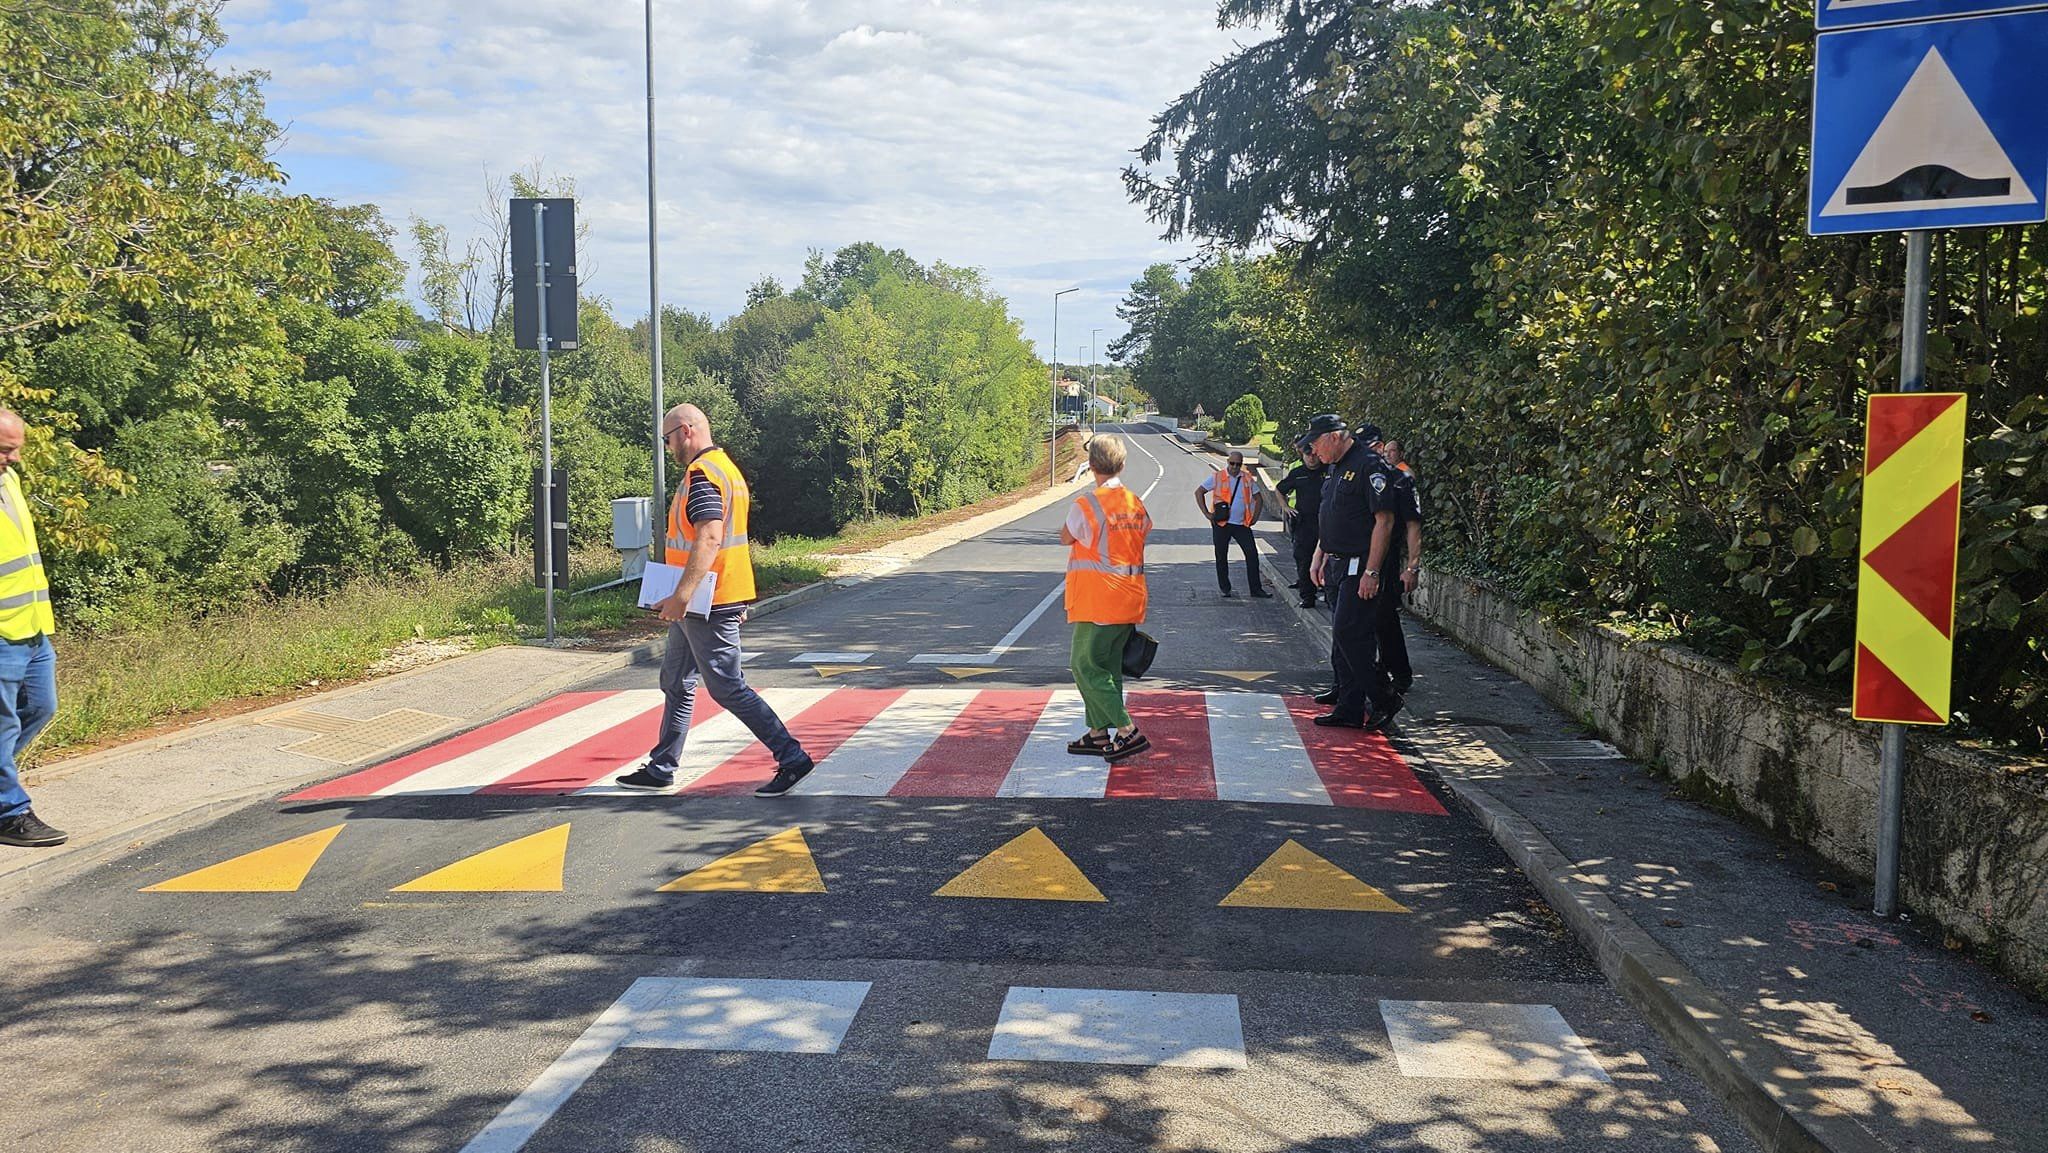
<point>1891,765</point>
<point>547,420</point>
<point>657,514</point>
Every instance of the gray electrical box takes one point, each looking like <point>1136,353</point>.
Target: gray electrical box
<point>632,526</point>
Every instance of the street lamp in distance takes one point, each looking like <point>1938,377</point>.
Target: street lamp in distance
<point>1052,434</point>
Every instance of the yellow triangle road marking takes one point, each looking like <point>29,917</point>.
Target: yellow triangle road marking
<point>963,674</point>
<point>531,864</point>
<point>837,670</point>
<point>778,864</point>
<point>1239,674</point>
<point>281,868</point>
<point>1294,878</point>
<point>1029,868</point>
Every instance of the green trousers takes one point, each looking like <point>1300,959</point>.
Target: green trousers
<point>1098,664</point>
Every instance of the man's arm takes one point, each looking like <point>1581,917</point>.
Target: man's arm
<point>1201,498</point>
<point>1315,566</point>
<point>1382,536</point>
<point>703,550</point>
<point>1408,575</point>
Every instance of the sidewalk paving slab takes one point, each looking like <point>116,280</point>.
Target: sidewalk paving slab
<point>1824,1026</point>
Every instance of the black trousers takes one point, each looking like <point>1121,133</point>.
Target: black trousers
<point>1355,648</point>
<point>1223,534</point>
<point>1304,559</point>
<point>1393,645</point>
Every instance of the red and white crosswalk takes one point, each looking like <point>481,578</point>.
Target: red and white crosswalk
<point>928,742</point>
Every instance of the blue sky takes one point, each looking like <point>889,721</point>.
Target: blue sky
<point>986,134</point>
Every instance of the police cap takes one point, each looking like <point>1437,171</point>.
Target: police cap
<point>1369,433</point>
<point>1318,425</point>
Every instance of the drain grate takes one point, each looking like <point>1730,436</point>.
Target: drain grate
<point>361,739</point>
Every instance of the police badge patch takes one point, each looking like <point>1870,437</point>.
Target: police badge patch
<point>1379,482</point>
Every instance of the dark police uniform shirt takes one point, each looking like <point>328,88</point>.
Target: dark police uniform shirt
<point>1305,484</point>
<point>1407,506</point>
<point>1357,489</point>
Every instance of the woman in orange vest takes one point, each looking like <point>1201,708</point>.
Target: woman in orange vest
<point>1105,534</point>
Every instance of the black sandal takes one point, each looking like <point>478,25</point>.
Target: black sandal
<point>1090,745</point>
<point>1131,746</point>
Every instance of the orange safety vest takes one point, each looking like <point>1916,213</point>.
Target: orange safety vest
<point>1106,577</point>
<point>734,565</point>
<point>1226,492</point>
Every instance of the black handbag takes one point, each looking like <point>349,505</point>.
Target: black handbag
<point>1139,652</point>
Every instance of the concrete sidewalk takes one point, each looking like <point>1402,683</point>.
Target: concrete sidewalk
<point>1823,1026</point>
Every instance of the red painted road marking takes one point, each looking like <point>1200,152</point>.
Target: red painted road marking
<point>368,781</point>
<point>822,728</point>
<point>1360,769</point>
<point>1177,766</point>
<point>974,754</point>
<point>590,761</point>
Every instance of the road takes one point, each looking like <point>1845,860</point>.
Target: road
<point>1260,936</point>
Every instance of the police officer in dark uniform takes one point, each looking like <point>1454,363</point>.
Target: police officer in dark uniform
<point>1405,563</point>
<point>1357,525</point>
<point>1304,485</point>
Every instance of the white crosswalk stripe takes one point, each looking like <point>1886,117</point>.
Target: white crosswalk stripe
<point>872,760</point>
<point>1045,768</point>
<point>472,771</point>
<point>1264,759</point>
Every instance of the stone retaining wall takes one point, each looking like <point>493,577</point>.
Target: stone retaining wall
<point>1975,854</point>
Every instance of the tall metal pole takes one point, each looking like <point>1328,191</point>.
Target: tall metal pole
<point>657,515</point>
<point>1092,394</point>
<point>546,543</point>
<point>1891,765</point>
<point>1052,438</point>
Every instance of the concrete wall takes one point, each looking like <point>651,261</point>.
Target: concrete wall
<point>1975,853</point>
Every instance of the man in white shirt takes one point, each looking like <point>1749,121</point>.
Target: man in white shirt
<point>1229,501</point>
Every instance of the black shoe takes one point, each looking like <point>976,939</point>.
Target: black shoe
<point>1381,722</point>
<point>1308,604</point>
<point>1333,721</point>
<point>1263,594</point>
<point>1130,746</point>
<point>1089,745</point>
<point>785,778</point>
<point>641,778</point>
<point>1402,686</point>
<point>29,831</point>
<point>1329,698</point>
<point>1227,594</point>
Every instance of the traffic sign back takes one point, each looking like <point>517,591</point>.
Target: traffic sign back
<point>1832,14</point>
<point>1930,125</point>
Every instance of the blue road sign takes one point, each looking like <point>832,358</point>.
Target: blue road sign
<point>1931,125</point>
<point>1831,14</point>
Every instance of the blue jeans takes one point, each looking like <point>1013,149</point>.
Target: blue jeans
<point>710,650</point>
<point>28,699</point>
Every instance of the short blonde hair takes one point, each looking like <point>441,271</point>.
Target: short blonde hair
<point>1106,455</point>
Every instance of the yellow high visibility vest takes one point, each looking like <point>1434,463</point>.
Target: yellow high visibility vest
<point>24,590</point>
<point>734,564</point>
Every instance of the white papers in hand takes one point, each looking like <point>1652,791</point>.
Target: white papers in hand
<point>659,582</point>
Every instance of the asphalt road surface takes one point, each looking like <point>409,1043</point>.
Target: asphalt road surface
<point>1260,936</point>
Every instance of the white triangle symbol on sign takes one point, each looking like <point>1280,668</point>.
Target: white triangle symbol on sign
<point>1932,150</point>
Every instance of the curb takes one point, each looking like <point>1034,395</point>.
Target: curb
<point>1752,1075</point>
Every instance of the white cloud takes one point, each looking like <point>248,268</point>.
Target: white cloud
<point>986,134</point>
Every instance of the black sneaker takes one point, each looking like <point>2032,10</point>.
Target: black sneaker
<point>1382,722</point>
<point>642,778</point>
<point>1263,594</point>
<point>1308,604</point>
<point>1333,721</point>
<point>1121,747</point>
<point>785,779</point>
<point>29,831</point>
<point>1328,698</point>
<point>1227,594</point>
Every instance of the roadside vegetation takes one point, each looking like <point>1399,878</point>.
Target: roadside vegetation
<point>1559,249</point>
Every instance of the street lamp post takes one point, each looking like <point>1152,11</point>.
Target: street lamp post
<point>1092,394</point>
<point>656,517</point>
<point>1052,433</point>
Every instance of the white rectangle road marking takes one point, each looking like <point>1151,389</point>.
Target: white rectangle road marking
<point>713,742</point>
<point>682,1013</point>
<point>494,762</point>
<point>1120,1027</point>
<point>872,760</point>
<point>1045,768</point>
<point>830,658</point>
<point>1257,751</point>
<point>1478,1040</point>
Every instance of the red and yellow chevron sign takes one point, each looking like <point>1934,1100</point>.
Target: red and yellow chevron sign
<point>1906,586</point>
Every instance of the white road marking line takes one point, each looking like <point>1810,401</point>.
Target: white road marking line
<point>1045,768</point>
<point>872,760</point>
<point>1257,751</point>
<point>830,658</point>
<point>1478,1040</point>
<point>494,762</point>
<point>682,1013</point>
<point>1147,494</point>
<point>1002,646</point>
<point>1120,1027</point>
<point>712,743</point>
